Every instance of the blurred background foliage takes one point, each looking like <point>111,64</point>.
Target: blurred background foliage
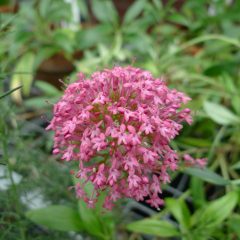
<point>194,45</point>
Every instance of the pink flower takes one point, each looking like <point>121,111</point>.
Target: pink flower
<point>121,135</point>
<point>100,178</point>
<point>127,119</point>
<point>147,128</point>
<point>201,162</point>
<point>113,176</point>
<point>99,142</point>
<point>155,201</point>
<point>191,162</point>
<point>133,181</point>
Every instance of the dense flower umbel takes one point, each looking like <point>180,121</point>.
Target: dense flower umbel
<point>118,125</point>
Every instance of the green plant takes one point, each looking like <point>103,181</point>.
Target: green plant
<point>92,221</point>
<point>38,31</point>
<point>116,41</point>
<point>196,50</point>
<point>213,220</point>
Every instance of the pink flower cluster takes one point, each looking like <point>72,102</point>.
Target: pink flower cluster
<point>118,125</point>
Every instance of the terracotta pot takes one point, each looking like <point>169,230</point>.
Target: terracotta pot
<point>56,68</point>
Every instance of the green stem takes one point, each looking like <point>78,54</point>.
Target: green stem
<point>216,142</point>
<point>205,38</point>
<point>224,170</point>
<point>14,187</point>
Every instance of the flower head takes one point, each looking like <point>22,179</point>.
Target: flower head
<point>127,119</point>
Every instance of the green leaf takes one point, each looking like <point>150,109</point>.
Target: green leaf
<point>180,211</point>
<point>24,73</point>
<point>179,18</point>
<point>63,36</point>
<point>89,37</point>
<point>197,191</point>
<point>154,227</point>
<point>220,114</point>
<point>104,11</point>
<point>207,176</point>
<point>44,8</point>
<point>134,10</point>
<point>234,223</point>
<point>196,142</point>
<point>217,211</point>
<point>90,219</point>
<point>236,166</point>
<point>83,6</point>
<point>48,89</point>
<point>56,217</point>
<point>39,102</point>
<point>95,221</point>
<point>235,182</point>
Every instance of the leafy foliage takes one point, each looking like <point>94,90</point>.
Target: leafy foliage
<point>196,48</point>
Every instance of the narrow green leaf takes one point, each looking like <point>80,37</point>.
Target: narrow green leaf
<point>44,8</point>
<point>16,95</point>
<point>217,211</point>
<point>179,18</point>
<point>48,89</point>
<point>63,36</point>
<point>234,223</point>
<point>209,37</point>
<point>235,182</point>
<point>89,37</point>
<point>196,142</point>
<point>236,166</point>
<point>180,211</point>
<point>90,219</point>
<point>134,10</point>
<point>154,227</point>
<point>220,114</point>
<point>56,217</point>
<point>40,102</point>
<point>24,72</point>
<point>197,191</point>
<point>207,176</point>
<point>104,11</point>
<point>95,221</point>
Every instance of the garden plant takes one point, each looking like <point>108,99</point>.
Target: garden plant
<point>139,138</point>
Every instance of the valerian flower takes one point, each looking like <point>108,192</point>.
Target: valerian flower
<point>126,118</point>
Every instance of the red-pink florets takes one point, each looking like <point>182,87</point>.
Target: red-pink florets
<point>118,125</point>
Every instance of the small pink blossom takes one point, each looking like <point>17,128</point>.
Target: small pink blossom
<point>201,162</point>
<point>127,118</point>
<point>191,162</point>
<point>121,135</point>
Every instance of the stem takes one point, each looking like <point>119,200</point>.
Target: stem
<point>205,38</point>
<point>216,141</point>
<point>6,158</point>
<point>224,170</point>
